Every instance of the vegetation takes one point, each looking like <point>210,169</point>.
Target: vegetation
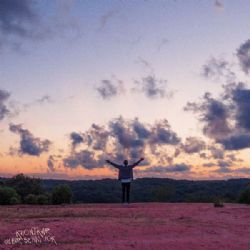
<point>28,190</point>
<point>245,196</point>
<point>9,196</point>
<point>61,194</point>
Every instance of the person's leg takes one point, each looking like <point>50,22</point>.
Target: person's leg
<point>123,192</point>
<point>128,192</point>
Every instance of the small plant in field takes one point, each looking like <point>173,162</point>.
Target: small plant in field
<point>218,202</point>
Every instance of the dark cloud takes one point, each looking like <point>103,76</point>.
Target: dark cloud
<point>83,158</point>
<point>4,111</point>
<point>76,139</point>
<point>236,142</point>
<point>193,145</point>
<point>29,144</point>
<point>153,88</point>
<point>214,114</point>
<point>241,97</point>
<point>109,89</point>
<point>140,129</point>
<point>23,20</point>
<point>16,17</point>
<point>243,54</point>
<point>121,139</point>
<point>225,119</point>
<point>163,134</point>
<point>182,167</point>
<point>50,163</point>
<point>216,152</point>
<point>218,69</point>
<point>97,137</point>
<point>209,164</point>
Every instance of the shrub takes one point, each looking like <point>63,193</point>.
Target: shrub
<point>245,196</point>
<point>8,196</point>
<point>25,185</point>
<point>61,194</point>
<point>15,200</point>
<point>31,199</point>
<point>42,199</point>
<point>218,202</point>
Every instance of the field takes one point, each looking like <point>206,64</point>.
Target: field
<point>137,226</point>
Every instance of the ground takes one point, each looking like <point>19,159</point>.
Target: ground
<point>136,226</point>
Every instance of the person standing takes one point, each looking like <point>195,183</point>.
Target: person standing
<point>125,175</point>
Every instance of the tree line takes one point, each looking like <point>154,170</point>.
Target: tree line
<point>22,189</point>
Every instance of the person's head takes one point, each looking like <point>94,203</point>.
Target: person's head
<point>125,162</point>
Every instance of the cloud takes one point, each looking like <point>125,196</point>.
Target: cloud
<point>193,145</point>
<point>4,111</point>
<point>218,5</point>
<point>225,119</point>
<point>162,43</point>
<point>236,142</point>
<point>109,89</point>
<point>107,17</point>
<point>241,98</point>
<point>120,139</point>
<point>243,54</point>
<point>25,20</point>
<point>216,152</point>
<point>44,99</point>
<point>50,163</point>
<point>218,69</point>
<point>214,114</point>
<point>16,17</point>
<point>145,63</point>
<point>76,139</point>
<point>152,88</point>
<point>84,158</point>
<point>163,134</point>
<point>182,167</point>
<point>29,144</point>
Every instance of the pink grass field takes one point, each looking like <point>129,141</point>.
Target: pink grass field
<point>137,226</point>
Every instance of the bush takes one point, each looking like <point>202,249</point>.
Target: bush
<point>245,196</point>
<point>8,196</point>
<point>31,199</point>
<point>15,200</point>
<point>218,202</point>
<point>61,194</point>
<point>42,199</point>
<point>25,185</point>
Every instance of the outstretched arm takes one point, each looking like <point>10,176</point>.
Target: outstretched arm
<point>113,164</point>
<point>137,163</point>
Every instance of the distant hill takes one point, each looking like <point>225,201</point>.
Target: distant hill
<point>152,190</point>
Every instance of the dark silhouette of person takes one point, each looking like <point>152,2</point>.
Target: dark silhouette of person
<point>125,176</point>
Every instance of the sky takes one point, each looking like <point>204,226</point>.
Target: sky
<point>85,81</point>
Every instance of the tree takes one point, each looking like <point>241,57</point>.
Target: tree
<point>245,196</point>
<point>31,199</point>
<point>42,199</point>
<point>8,196</point>
<point>25,185</point>
<point>61,194</point>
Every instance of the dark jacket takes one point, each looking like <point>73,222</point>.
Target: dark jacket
<point>125,171</point>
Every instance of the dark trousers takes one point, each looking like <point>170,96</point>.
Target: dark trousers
<point>125,191</point>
